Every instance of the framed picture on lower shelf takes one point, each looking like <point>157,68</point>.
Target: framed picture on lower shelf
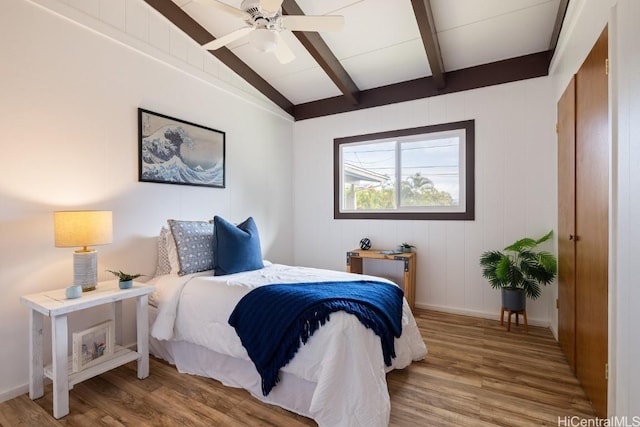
<point>92,345</point>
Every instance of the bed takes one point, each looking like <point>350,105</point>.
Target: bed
<point>341,363</point>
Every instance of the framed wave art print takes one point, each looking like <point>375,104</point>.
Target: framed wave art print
<point>174,151</point>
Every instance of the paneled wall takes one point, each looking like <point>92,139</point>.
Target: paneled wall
<point>515,192</point>
<point>585,20</point>
<point>72,76</point>
<point>73,73</point>
<point>624,348</point>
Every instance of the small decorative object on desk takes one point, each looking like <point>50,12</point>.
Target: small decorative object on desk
<point>365,244</point>
<point>74,291</point>
<point>125,279</point>
<point>405,247</point>
<point>390,252</point>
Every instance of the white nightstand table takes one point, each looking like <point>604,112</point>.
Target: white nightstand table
<point>55,305</point>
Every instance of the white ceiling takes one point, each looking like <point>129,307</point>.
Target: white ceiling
<point>381,43</point>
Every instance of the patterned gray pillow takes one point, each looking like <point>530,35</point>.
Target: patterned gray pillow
<point>194,242</point>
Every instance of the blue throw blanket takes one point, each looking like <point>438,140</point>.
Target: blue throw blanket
<point>273,320</point>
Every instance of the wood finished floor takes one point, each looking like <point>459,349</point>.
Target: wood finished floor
<point>476,374</point>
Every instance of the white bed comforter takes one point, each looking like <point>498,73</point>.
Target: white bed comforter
<point>343,357</point>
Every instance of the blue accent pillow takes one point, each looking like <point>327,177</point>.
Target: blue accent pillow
<point>236,248</point>
<point>194,244</point>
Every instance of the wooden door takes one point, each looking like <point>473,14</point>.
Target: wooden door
<point>566,223</point>
<point>592,207</point>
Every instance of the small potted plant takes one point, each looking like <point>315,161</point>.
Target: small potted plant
<point>125,280</point>
<point>405,247</point>
<point>519,271</point>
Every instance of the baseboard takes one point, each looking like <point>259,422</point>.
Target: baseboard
<point>554,332</point>
<point>13,393</point>
<point>482,314</point>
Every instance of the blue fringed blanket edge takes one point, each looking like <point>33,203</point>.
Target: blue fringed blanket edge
<point>272,321</point>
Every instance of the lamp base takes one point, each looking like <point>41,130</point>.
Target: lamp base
<point>85,269</point>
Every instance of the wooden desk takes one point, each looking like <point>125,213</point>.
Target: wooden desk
<point>354,265</point>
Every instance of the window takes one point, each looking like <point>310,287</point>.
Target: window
<point>418,173</point>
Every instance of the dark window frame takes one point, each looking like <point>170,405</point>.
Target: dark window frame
<point>467,215</point>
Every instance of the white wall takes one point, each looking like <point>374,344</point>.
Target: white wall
<point>515,192</point>
<point>585,21</point>
<point>624,294</point>
<point>68,114</point>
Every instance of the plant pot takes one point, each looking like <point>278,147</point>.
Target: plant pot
<point>126,284</point>
<point>514,299</point>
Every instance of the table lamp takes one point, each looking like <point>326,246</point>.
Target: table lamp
<point>83,228</point>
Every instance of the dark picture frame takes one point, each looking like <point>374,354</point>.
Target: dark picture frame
<point>174,151</point>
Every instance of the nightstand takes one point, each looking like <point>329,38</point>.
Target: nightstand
<point>54,305</point>
<point>354,265</point>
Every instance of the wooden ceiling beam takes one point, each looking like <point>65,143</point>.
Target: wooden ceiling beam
<point>508,70</point>
<point>424,18</point>
<point>319,50</point>
<point>198,33</point>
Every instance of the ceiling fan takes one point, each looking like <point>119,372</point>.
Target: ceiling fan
<point>265,21</point>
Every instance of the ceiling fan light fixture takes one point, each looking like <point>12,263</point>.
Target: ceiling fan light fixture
<point>264,40</point>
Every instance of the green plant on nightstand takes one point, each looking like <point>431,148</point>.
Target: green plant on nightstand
<point>125,280</point>
<point>405,247</point>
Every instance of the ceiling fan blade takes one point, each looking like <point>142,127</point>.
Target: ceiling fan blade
<point>234,35</point>
<point>313,23</point>
<point>282,52</point>
<point>270,6</point>
<point>225,8</point>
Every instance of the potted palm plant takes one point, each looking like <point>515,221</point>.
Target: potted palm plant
<point>519,271</point>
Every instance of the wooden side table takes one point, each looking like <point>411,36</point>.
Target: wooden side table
<point>354,265</point>
<point>54,305</point>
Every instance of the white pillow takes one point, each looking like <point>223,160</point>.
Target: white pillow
<point>163,267</point>
<point>172,250</point>
<point>167,253</point>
